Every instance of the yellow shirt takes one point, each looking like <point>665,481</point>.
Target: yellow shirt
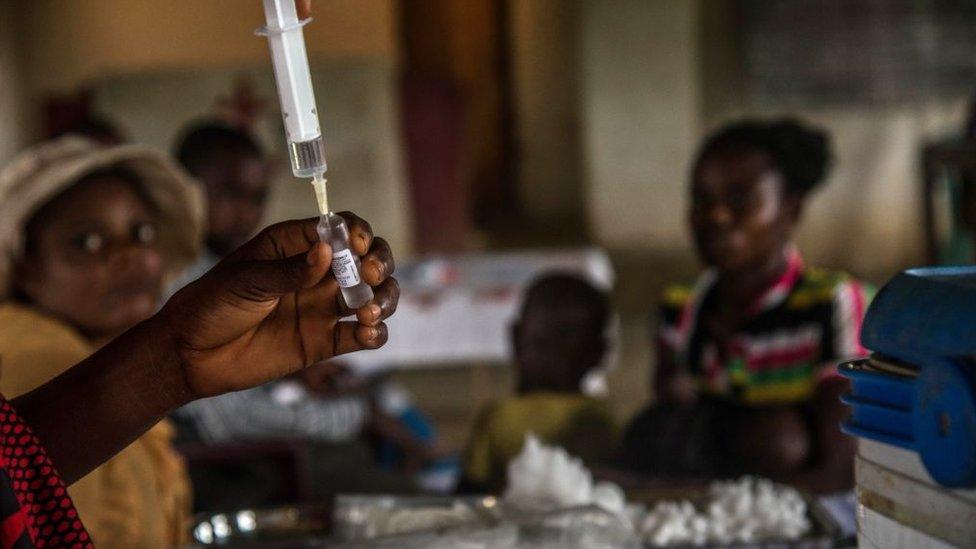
<point>140,497</point>
<point>580,424</point>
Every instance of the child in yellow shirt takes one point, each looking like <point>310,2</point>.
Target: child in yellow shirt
<point>559,337</point>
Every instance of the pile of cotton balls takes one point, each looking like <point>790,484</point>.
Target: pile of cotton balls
<point>747,510</point>
<point>545,477</point>
<point>547,480</point>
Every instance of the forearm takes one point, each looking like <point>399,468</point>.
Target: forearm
<point>833,467</point>
<point>823,479</point>
<point>672,384</point>
<point>98,407</point>
<point>390,429</point>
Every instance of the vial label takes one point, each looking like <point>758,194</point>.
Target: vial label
<point>344,268</point>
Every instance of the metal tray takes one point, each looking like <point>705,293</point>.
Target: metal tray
<point>361,517</point>
<point>348,524</point>
<point>290,526</point>
<point>351,515</point>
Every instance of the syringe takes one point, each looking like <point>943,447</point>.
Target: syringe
<point>306,148</point>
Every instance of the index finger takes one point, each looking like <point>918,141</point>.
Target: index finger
<point>360,233</point>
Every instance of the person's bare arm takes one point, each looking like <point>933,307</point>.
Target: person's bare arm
<point>832,468</point>
<point>672,383</point>
<point>98,407</point>
<point>267,310</point>
<point>416,452</point>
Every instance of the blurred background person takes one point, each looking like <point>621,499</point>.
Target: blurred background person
<point>746,380</point>
<point>340,423</point>
<point>402,439</point>
<point>88,235</point>
<point>329,411</point>
<point>559,337</point>
<point>231,166</point>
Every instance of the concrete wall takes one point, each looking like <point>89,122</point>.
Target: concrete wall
<point>868,217</point>
<point>657,76</point>
<point>154,65</point>
<point>71,42</point>
<point>545,66</point>
<point>12,100</point>
<point>641,119</point>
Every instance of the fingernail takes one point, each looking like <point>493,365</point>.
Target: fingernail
<point>373,333</point>
<point>311,257</point>
<point>375,311</point>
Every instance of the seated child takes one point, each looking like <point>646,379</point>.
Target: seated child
<point>746,379</point>
<point>559,337</point>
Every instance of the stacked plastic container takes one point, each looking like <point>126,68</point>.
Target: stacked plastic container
<point>913,408</point>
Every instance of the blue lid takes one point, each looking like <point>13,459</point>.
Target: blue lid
<point>878,387</point>
<point>923,314</point>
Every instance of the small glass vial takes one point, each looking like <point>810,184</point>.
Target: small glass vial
<point>333,231</point>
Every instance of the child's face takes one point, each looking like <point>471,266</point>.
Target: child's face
<point>237,189</point>
<point>555,346</point>
<point>740,214</point>
<point>93,259</point>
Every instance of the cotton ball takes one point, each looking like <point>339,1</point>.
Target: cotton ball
<point>698,529</point>
<point>610,497</point>
<point>669,523</point>
<point>746,510</point>
<point>544,477</point>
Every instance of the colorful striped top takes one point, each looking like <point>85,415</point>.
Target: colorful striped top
<point>793,335</point>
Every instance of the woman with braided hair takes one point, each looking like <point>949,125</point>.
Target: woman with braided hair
<point>746,355</point>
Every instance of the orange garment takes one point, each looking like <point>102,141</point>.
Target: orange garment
<point>139,498</point>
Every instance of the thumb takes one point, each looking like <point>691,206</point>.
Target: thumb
<point>261,280</point>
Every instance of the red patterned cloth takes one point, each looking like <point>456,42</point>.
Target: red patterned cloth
<point>35,509</point>
<point>793,336</point>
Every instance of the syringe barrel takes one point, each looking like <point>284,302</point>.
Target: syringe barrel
<point>294,82</point>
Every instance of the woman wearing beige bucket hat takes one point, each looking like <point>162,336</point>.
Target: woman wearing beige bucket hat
<point>87,235</point>
<point>267,310</point>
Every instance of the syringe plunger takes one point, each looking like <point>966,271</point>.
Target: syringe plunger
<point>307,157</point>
